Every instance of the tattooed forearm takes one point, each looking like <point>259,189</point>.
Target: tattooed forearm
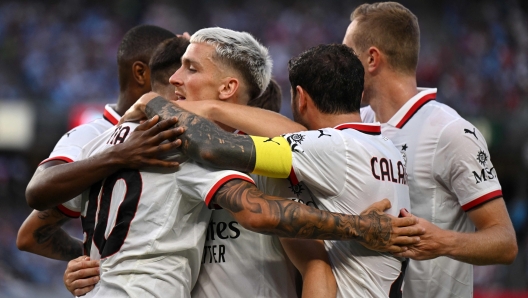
<point>204,141</point>
<point>51,236</point>
<point>286,218</point>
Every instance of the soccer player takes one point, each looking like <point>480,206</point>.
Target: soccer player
<point>345,167</point>
<point>453,185</point>
<point>58,178</point>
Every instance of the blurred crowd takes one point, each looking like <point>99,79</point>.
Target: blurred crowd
<point>56,54</point>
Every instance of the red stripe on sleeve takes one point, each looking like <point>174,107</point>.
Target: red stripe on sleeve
<point>63,158</point>
<point>293,177</point>
<point>68,212</point>
<point>488,197</point>
<point>223,181</point>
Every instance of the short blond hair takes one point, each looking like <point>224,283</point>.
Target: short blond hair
<point>241,51</point>
<point>393,29</point>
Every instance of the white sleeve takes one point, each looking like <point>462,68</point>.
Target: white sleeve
<point>203,183</point>
<point>72,208</point>
<point>71,143</point>
<point>462,162</point>
<point>319,159</point>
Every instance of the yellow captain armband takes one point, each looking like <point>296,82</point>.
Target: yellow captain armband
<point>273,157</point>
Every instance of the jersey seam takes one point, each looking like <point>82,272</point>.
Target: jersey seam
<point>432,177</point>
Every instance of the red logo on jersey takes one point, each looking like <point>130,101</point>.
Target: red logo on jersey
<point>384,170</point>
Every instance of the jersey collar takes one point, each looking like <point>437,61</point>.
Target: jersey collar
<point>368,128</point>
<point>111,115</point>
<point>412,106</point>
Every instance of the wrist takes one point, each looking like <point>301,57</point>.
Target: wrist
<point>213,110</point>
<point>113,158</point>
<point>447,243</point>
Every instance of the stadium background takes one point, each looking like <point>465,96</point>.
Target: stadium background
<point>58,67</point>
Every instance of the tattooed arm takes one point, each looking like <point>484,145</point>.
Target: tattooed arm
<point>42,234</point>
<point>265,214</point>
<point>203,140</point>
<point>207,143</point>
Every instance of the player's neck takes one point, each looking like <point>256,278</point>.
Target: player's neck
<point>388,95</point>
<point>321,120</point>
<point>124,102</point>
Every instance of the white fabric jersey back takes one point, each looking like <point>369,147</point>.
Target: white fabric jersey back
<point>347,168</point>
<point>449,173</point>
<point>147,227</point>
<point>241,263</point>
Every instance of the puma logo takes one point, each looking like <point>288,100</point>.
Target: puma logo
<point>471,132</point>
<point>69,132</point>
<point>322,133</point>
<point>271,140</point>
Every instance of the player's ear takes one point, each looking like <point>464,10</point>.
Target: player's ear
<point>302,98</point>
<point>141,73</point>
<point>374,57</point>
<point>228,88</point>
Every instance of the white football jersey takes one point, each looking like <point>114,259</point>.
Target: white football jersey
<point>347,168</point>
<point>69,147</point>
<point>147,227</point>
<point>449,172</point>
<point>240,263</point>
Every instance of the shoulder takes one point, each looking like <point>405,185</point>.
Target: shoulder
<point>320,139</point>
<point>459,130</point>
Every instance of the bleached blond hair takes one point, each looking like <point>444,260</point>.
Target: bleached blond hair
<point>242,52</point>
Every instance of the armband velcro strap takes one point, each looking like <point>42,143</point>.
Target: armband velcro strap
<point>273,157</point>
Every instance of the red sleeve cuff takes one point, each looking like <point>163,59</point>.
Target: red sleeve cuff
<point>223,181</point>
<point>487,197</point>
<point>63,158</point>
<point>68,212</point>
<point>293,177</point>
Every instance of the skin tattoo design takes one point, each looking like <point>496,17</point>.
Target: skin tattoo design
<point>287,218</point>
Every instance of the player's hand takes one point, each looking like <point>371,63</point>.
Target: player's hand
<point>81,275</point>
<point>384,232</point>
<point>146,145</point>
<point>137,111</point>
<point>430,245</point>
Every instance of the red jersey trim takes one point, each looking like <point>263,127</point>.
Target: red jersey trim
<point>293,177</point>
<point>223,181</point>
<point>109,117</point>
<point>63,158</point>
<point>487,197</point>
<point>371,129</point>
<point>420,103</point>
<point>68,212</point>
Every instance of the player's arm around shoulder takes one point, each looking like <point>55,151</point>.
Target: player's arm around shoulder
<point>464,165</point>
<point>248,119</point>
<point>57,181</point>
<point>311,259</point>
<point>271,215</point>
